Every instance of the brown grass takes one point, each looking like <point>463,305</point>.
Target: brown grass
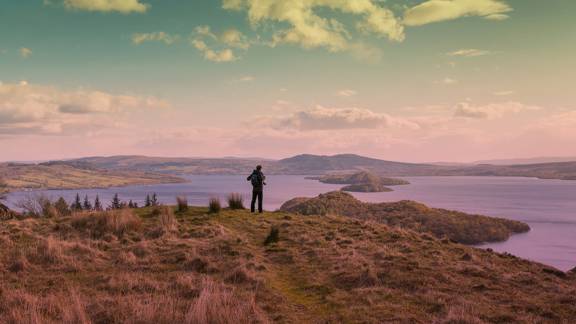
<point>235,201</point>
<point>214,206</point>
<point>218,304</point>
<point>181,204</point>
<point>117,222</point>
<point>215,269</point>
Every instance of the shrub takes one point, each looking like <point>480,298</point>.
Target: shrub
<point>236,201</point>
<point>62,207</point>
<point>273,236</point>
<point>214,206</point>
<point>182,204</point>
<point>34,205</point>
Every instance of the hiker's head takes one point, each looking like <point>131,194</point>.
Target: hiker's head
<point>258,167</point>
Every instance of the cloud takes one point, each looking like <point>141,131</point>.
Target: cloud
<point>247,78</point>
<point>347,93</point>
<point>447,81</point>
<point>324,118</point>
<point>25,52</point>
<point>26,108</point>
<point>491,111</point>
<point>433,11</point>
<point>139,38</point>
<point>504,93</point>
<point>310,30</point>
<point>121,6</point>
<point>219,47</point>
<point>469,52</point>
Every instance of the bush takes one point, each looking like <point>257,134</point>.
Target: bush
<point>236,201</point>
<point>273,236</point>
<point>62,207</point>
<point>182,204</point>
<point>37,206</point>
<point>214,206</point>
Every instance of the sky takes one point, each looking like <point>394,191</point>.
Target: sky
<point>406,80</point>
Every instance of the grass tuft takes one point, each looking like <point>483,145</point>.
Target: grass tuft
<point>214,206</point>
<point>181,204</point>
<point>273,236</point>
<point>236,201</point>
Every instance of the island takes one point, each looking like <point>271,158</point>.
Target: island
<point>362,181</point>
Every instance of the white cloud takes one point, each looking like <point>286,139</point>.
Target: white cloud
<point>324,118</point>
<point>447,81</point>
<point>504,93</point>
<point>491,111</point>
<point>121,6</point>
<point>247,78</point>
<point>219,47</point>
<point>432,11</point>
<point>26,108</point>
<point>310,30</point>
<point>347,93</point>
<point>469,52</point>
<point>25,52</point>
<point>139,38</point>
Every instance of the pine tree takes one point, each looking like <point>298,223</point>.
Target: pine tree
<point>77,205</point>
<point>148,202</point>
<point>135,205</point>
<point>116,203</point>
<point>62,207</point>
<point>87,205</point>
<point>130,204</point>
<point>154,201</point>
<point>97,204</point>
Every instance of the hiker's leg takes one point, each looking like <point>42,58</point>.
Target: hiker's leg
<point>260,198</point>
<point>253,204</point>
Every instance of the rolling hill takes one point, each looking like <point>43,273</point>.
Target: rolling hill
<point>154,266</point>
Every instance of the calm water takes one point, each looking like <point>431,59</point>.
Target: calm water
<point>548,206</point>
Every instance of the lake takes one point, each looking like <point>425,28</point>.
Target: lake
<point>548,206</point>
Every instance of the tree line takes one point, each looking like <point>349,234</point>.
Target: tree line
<point>40,205</point>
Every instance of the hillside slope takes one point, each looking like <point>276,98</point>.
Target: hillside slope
<point>458,226</point>
<point>64,176</point>
<point>201,268</point>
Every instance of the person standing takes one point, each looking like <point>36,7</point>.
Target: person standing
<point>257,178</point>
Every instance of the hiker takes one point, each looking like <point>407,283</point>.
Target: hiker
<point>257,179</point>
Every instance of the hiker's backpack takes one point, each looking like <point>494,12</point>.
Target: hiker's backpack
<point>255,179</point>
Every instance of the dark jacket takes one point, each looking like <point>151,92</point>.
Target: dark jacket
<point>257,178</point>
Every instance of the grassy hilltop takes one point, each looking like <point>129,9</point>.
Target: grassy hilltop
<point>152,265</point>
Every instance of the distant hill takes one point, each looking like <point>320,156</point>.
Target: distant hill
<point>308,164</point>
<point>538,160</point>
<point>458,226</point>
<point>63,175</point>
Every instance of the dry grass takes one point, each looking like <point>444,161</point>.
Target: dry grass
<point>100,268</point>
<point>235,201</point>
<point>218,304</point>
<point>214,206</point>
<point>98,224</point>
<point>181,204</point>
